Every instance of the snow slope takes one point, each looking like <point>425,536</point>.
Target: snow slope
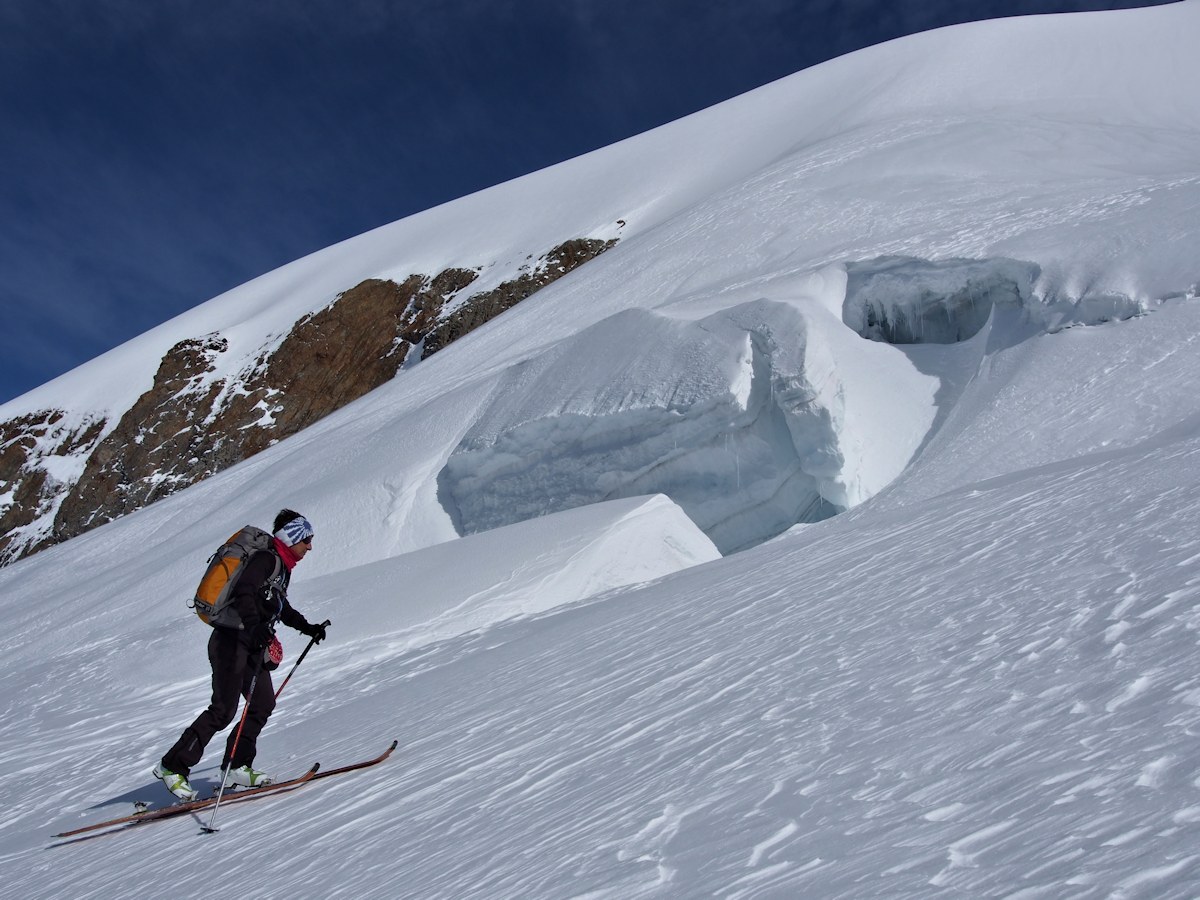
<point>977,681</point>
<point>989,692</point>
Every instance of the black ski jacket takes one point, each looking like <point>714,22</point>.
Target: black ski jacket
<point>261,596</point>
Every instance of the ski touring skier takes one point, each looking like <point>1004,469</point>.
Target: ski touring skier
<point>237,648</point>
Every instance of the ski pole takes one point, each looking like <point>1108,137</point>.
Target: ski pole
<point>232,750</point>
<point>311,641</point>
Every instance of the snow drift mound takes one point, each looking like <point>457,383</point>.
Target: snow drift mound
<point>521,570</point>
<point>752,419</point>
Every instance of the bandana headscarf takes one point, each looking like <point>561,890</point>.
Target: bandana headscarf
<point>295,531</point>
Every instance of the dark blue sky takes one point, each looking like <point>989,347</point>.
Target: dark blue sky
<point>155,154</point>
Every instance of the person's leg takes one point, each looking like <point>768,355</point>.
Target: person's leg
<point>262,704</point>
<point>228,660</point>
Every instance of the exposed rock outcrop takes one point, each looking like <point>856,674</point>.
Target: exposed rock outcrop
<point>34,452</point>
<point>484,307</point>
<point>192,424</point>
<point>158,445</point>
<point>188,427</point>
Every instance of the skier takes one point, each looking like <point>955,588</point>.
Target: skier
<point>236,655</point>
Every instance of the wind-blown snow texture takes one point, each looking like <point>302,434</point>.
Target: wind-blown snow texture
<point>977,681</point>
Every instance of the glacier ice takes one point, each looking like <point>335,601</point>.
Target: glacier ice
<point>752,418</point>
<point>739,417</point>
<point>904,300</point>
<point>908,300</point>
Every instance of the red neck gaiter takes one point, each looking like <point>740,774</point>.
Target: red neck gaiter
<point>286,554</point>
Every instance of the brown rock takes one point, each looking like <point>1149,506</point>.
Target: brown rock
<point>189,426</point>
<point>483,307</point>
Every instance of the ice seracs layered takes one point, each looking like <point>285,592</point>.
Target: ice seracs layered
<point>752,418</point>
<point>908,300</point>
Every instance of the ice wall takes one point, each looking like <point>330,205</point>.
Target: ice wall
<point>902,300</point>
<point>907,300</point>
<point>745,418</point>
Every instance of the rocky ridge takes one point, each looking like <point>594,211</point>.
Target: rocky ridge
<point>56,483</point>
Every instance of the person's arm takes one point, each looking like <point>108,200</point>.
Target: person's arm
<point>293,619</point>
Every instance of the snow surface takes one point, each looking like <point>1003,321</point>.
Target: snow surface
<point>977,681</point>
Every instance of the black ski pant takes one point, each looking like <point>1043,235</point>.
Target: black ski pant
<point>232,672</point>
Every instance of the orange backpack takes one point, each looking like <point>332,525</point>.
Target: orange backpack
<point>216,587</point>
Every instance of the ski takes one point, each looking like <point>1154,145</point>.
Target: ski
<point>325,774</point>
<point>179,809</point>
<point>166,812</point>
<point>355,766</point>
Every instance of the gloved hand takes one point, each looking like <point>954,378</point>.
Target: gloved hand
<point>316,632</point>
<point>259,636</point>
